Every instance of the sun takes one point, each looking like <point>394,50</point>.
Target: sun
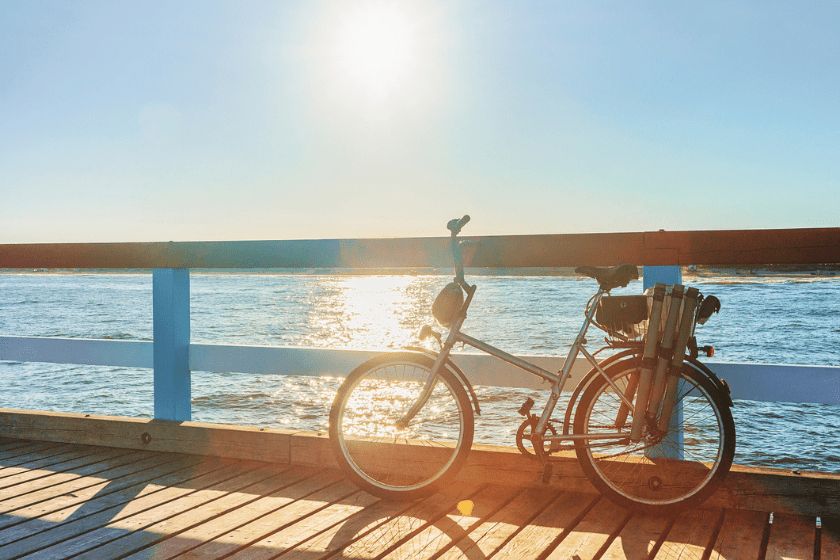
<point>378,55</point>
<point>376,49</point>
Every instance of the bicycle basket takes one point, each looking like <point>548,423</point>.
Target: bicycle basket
<point>623,318</point>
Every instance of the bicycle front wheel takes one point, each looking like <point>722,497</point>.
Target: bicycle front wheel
<point>664,472</point>
<point>373,446</point>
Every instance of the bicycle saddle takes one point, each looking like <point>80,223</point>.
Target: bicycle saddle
<point>612,276</point>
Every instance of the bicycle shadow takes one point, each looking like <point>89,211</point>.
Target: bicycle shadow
<point>406,529</point>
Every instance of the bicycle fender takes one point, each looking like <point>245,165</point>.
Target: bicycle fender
<point>720,384</point>
<point>716,382</point>
<point>456,370</point>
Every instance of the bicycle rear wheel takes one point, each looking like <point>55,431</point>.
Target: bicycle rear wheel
<point>390,461</point>
<point>665,473</point>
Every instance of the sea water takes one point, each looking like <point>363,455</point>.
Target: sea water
<point>765,318</point>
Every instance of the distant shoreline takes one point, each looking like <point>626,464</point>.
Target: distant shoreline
<point>826,270</point>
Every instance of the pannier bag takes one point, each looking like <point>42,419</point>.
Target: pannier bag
<point>621,314</point>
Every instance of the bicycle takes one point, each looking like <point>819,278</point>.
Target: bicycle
<point>652,426</point>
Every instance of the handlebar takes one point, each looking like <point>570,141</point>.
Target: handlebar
<point>455,225</point>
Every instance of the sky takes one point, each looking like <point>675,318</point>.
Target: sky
<point>220,120</point>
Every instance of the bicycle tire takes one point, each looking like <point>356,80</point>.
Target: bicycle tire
<point>383,459</point>
<point>622,471</point>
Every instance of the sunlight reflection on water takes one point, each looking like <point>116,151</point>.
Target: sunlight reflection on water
<point>765,320</point>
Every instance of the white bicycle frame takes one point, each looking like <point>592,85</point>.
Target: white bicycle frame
<point>557,380</point>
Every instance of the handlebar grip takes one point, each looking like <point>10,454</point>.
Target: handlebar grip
<point>455,225</point>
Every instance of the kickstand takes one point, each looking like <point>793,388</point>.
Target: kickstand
<point>547,472</point>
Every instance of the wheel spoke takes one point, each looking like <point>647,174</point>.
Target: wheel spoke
<point>641,474</point>
<point>409,461</point>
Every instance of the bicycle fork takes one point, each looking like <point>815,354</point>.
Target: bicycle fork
<point>429,387</point>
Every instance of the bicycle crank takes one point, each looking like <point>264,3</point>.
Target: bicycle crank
<point>525,434</point>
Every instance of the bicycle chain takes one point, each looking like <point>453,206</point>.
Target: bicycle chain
<point>596,445</point>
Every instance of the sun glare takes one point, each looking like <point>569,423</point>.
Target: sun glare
<point>376,49</point>
<point>377,59</point>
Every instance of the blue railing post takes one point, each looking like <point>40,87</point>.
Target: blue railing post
<point>668,275</point>
<point>665,274</point>
<point>171,331</point>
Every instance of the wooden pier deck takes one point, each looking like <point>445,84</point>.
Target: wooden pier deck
<point>76,500</point>
<point>80,501</point>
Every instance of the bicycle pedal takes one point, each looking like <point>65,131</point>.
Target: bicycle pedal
<point>547,472</point>
<point>525,409</point>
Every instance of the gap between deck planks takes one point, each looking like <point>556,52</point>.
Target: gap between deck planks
<point>87,502</point>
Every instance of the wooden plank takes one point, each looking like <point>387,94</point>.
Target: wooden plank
<point>303,531</point>
<point>97,541</point>
<point>774,246</point>
<point>791,538</point>
<point>10,451</point>
<point>8,444</point>
<point>311,515</point>
<point>43,515</point>
<point>501,526</point>
<point>638,538</point>
<point>311,449</point>
<point>830,539</point>
<point>490,464</point>
<point>269,500</point>
<point>593,533</point>
<point>789,246</point>
<point>778,490</point>
<point>113,507</point>
<point>30,469</point>
<point>64,511</point>
<point>238,442</point>
<point>26,446</point>
<point>32,491</point>
<point>342,534</point>
<point>268,514</point>
<point>393,532</point>
<point>83,463</point>
<point>740,535</point>
<point>440,535</point>
<point>691,535</point>
<point>31,452</point>
<point>110,479</point>
<point>549,527</point>
<point>120,490</point>
<point>175,518</point>
<point>68,452</point>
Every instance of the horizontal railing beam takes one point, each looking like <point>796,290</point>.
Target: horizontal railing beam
<point>83,351</point>
<point>759,382</point>
<point>659,248</point>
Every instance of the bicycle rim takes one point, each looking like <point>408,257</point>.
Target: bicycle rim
<point>392,461</point>
<point>657,473</point>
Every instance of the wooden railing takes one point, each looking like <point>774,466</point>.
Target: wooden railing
<point>658,248</point>
<point>172,356</point>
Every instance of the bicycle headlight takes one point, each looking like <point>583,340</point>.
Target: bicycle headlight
<point>447,304</point>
